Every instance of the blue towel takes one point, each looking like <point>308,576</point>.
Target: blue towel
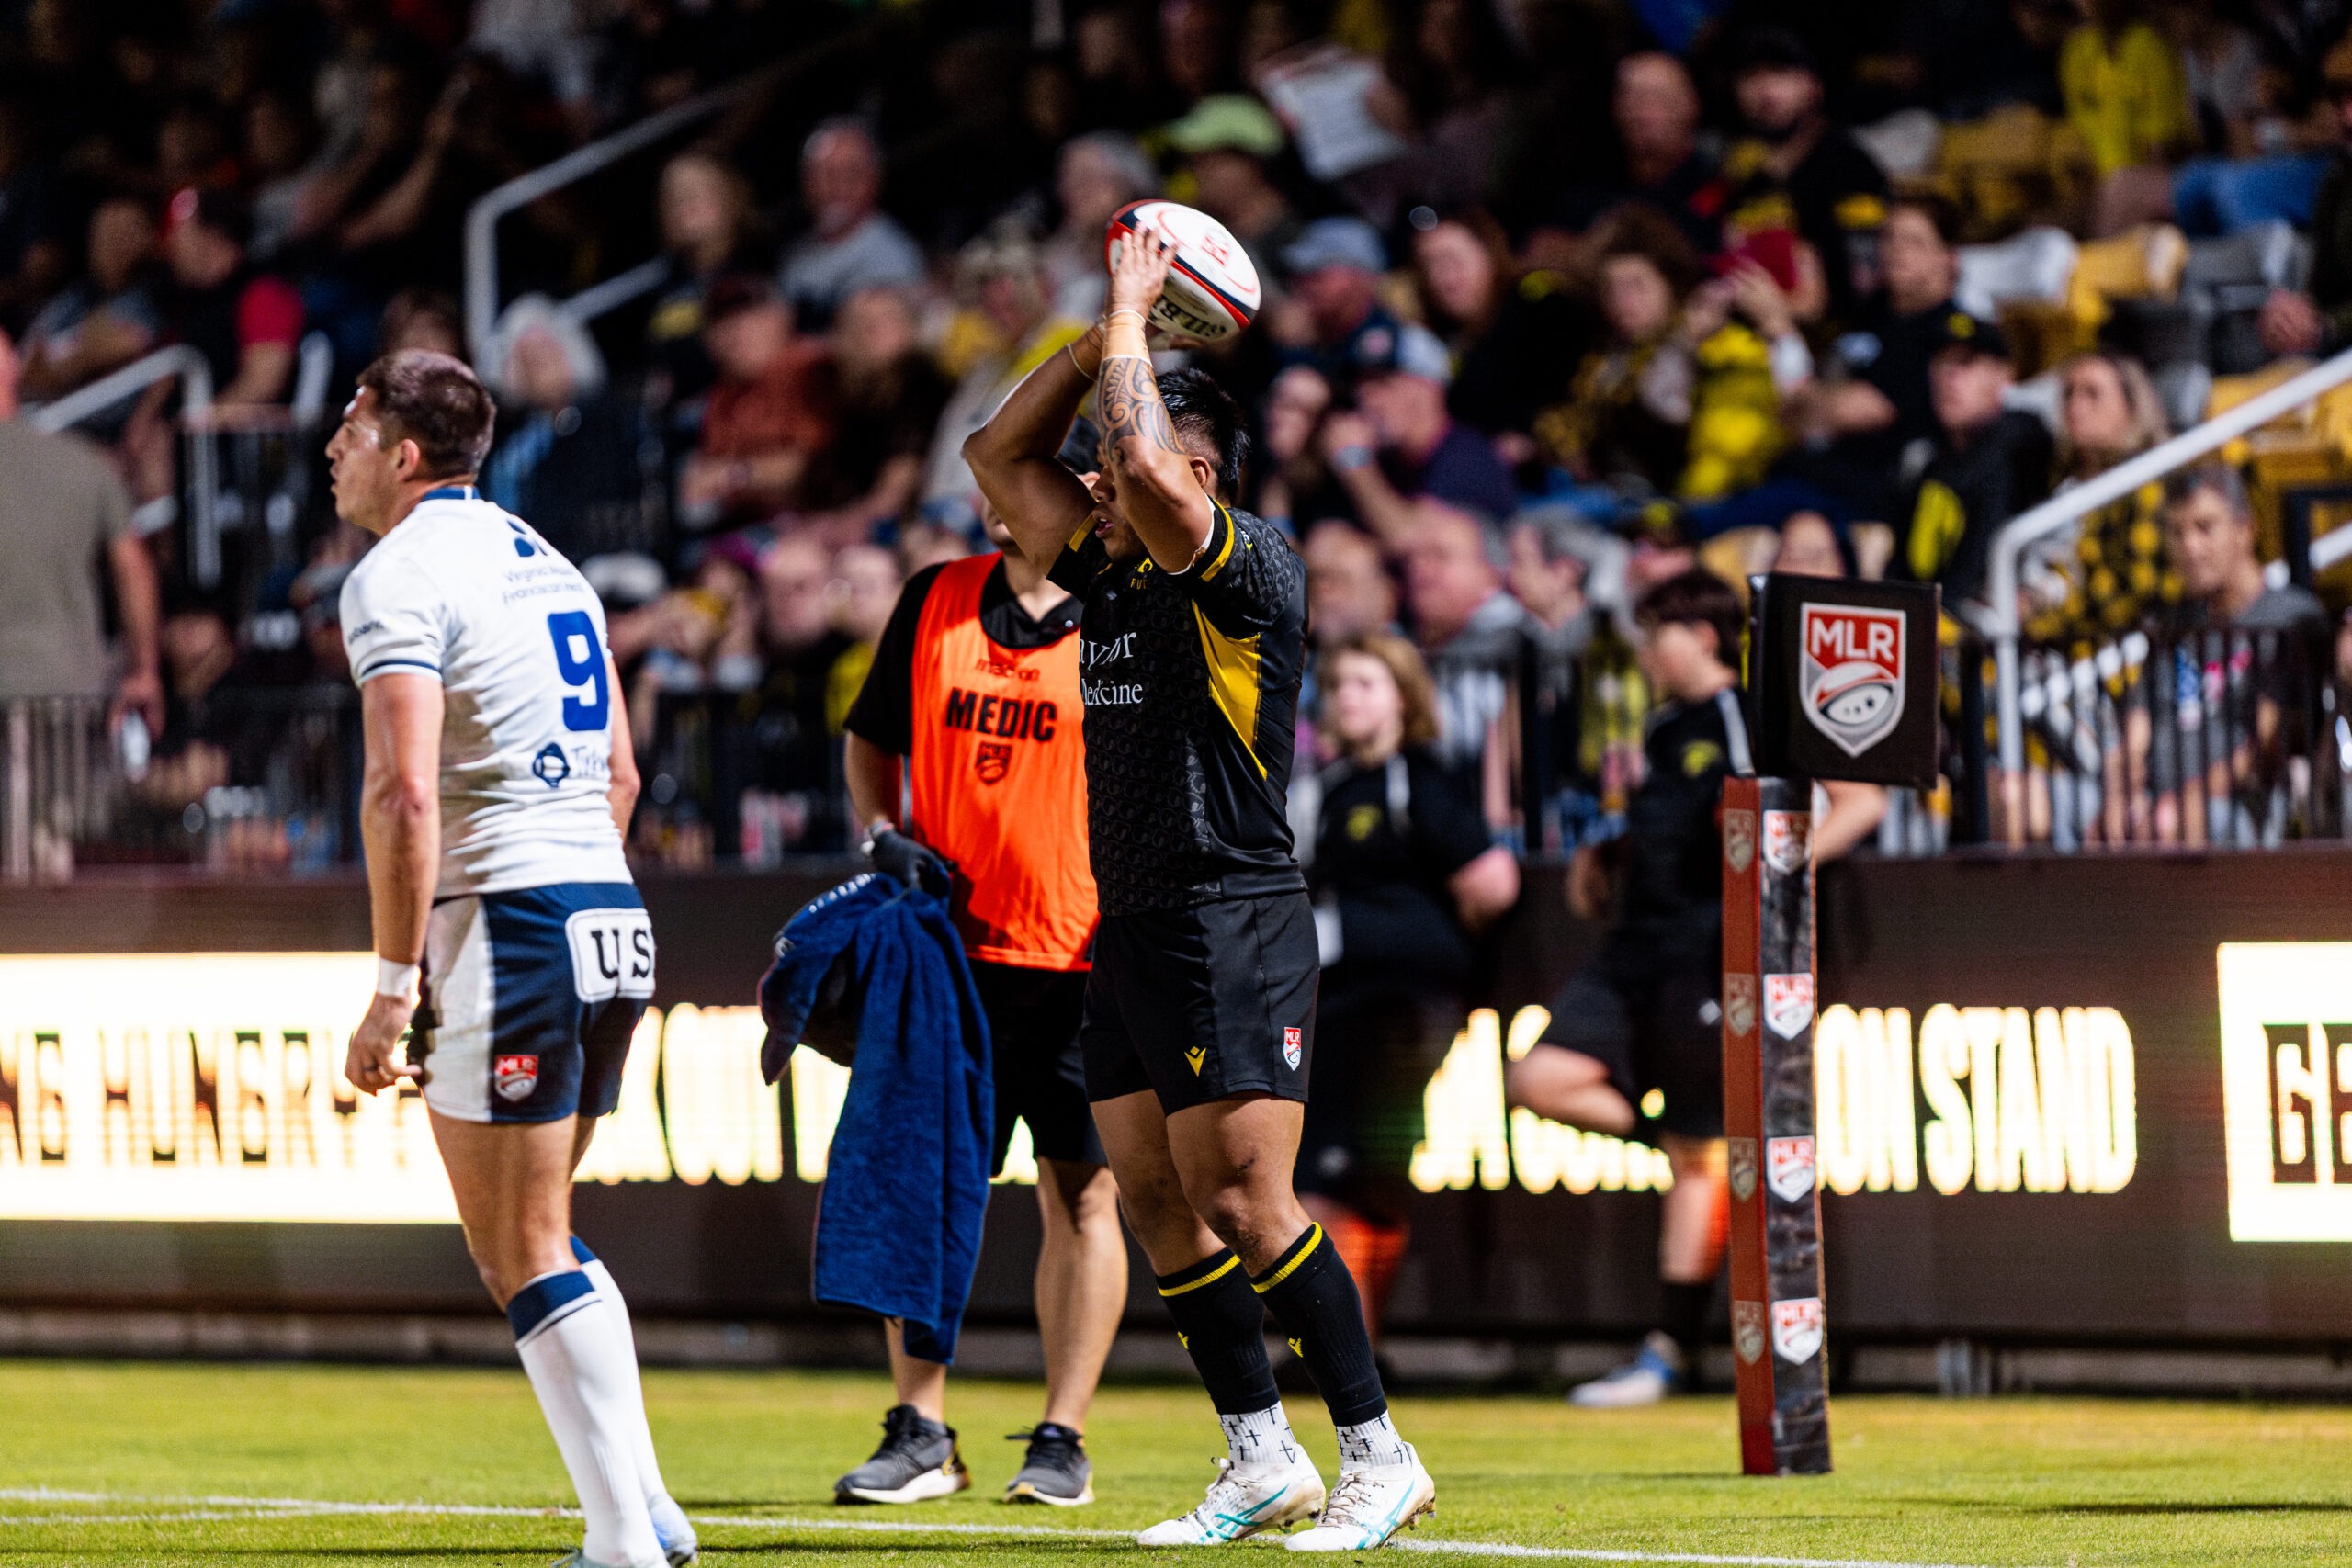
<point>907,1183</point>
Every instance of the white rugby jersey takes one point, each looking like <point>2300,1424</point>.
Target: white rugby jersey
<point>461,589</point>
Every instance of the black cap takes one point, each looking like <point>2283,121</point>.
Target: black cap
<point>1772,49</point>
<point>1958,329</point>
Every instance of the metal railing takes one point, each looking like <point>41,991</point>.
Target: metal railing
<point>1998,620</point>
<point>481,218</point>
<point>195,376</point>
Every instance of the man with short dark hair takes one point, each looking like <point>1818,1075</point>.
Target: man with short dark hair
<point>2210,539</point>
<point>1633,1049</point>
<point>498,781</point>
<point>1200,1008</point>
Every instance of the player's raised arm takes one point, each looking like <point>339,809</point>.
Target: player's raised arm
<point>1164,488</point>
<point>1014,458</point>
<point>400,822</point>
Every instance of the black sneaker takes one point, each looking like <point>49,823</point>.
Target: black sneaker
<point>1057,1471</point>
<point>917,1462</point>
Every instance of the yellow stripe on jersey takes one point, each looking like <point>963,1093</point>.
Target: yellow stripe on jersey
<point>1085,526</point>
<point>1222,519</point>
<point>1234,682</point>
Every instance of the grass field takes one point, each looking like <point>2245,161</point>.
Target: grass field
<point>122,1463</point>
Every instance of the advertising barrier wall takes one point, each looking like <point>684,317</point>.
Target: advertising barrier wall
<point>2065,1100</point>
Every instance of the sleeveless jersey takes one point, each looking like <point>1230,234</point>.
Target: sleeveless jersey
<point>462,591</point>
<point>999,780</point>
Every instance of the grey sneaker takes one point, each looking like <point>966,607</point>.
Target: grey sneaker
<point>1057,1471</point>
<point>917,1462</point>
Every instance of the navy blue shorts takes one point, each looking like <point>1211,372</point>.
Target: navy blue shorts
<point>530,1000</point>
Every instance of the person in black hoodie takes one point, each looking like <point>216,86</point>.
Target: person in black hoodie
<point>1991,463</point>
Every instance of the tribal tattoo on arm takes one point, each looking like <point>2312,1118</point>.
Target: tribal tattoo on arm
<point>1128,397</point>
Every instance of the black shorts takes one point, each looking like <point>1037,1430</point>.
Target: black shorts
<point>1381,1047</point>
<point>1040,1077</point>
<point>1652,1029</point>
<point>1203,1003</point>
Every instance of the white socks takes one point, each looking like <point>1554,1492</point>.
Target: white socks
<point>669,1520</point>
<point>585,1378</point>
<point>1261,1437</point>
<point>1371,1442</point>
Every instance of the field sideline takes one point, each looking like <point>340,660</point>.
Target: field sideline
<point>179,1463</point>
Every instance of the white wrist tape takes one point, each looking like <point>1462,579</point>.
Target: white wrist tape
<point>395,979</point>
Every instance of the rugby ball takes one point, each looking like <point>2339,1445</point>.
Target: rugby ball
<point>1212,289</point>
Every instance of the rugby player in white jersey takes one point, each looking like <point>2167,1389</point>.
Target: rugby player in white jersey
<point>499,779</point>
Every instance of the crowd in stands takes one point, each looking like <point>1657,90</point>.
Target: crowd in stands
<point>1562,298</point>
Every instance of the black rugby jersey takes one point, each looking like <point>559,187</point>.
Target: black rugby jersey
<point>1191,682</point>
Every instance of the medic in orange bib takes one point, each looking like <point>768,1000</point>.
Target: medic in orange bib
<point>973,707</point>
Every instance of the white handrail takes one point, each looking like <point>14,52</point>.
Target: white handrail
<point>1999,617</point>
<point>87,402</point>
<point>195,373</point>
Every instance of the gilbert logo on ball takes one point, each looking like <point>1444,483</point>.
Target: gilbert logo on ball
<point>1212,290</point>
<point>1850,676</point>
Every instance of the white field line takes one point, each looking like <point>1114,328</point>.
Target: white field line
<point>208,1508</point>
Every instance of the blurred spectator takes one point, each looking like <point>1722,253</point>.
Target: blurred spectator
<point>1682,401</point>
<point>1227,140</point>
<point>767,419</point>
<point>1515,338</point>
<point>1196,48</point>
<point>1335,268</point>
<point>1096,174</point>
<point>2116,572</point>
<point>246,322</point>
<point>1872,411</point>
<point>2321,317</point>
<point>1008,329</point>
<point>1472,631</point>
<point>802,645</point>
<point>2123,88</point>
<point>2210,538</point>
<point>1552,555</point>
<point>1451,65</point>
<point>106,317</point>
<point>852,244</point>
<point>1991,462</point>
<point>887,400</point>
<point>1404,871</point>
<point>1809,548</point>
<point>570,456</point>
<point>547,41</point>
<point>1295,487</point>
<point>281,148</point>
<point>421,318</point>
<point>1348,590</point>
<point>1799,172</point>
<point>1402,445</point>
<point>62,509</point>
<point>706,227</point>
<point>863,591</point>
<point>1659,159</point>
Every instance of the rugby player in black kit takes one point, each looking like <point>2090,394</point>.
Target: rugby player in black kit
<point>1200,1011</point>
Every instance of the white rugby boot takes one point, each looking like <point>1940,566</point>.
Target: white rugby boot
<point>1369,1505</point>
<point>676,1536</point>
<point>1241,1502</point>
<point>578,1558</point>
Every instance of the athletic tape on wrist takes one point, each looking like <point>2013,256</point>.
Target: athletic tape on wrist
<point>395,979</point>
